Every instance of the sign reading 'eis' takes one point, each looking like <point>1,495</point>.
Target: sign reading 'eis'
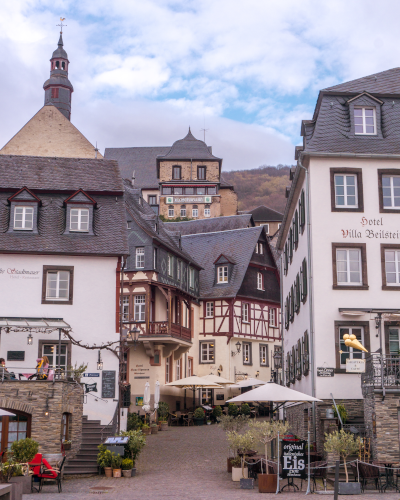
<point>293,459</point>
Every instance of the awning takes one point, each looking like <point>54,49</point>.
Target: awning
<point>43,325</point>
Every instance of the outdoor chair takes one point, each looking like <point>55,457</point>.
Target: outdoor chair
<point>188,419</point>
<point>175,418</point>
<point>369,473</point>
<point>52,473</point>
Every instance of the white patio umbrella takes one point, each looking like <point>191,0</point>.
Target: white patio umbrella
<point>275,393</point>
<point>194,383</point>
<point>146,398</point>
<point>218,380</point>
<point>156,395</point>
<point>248,382</point>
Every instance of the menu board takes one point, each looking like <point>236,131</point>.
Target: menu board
<point>108,384</point>
<point>293,459</point>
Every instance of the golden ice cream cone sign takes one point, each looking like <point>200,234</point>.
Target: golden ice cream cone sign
<point>351,341</point>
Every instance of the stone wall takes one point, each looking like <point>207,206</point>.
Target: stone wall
<point>63,397</point>
<point>215,208</point>
<point>229,202</point>
<point>189,170</point>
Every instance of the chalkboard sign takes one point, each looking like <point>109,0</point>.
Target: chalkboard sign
<point>108,384</point>
<point>15,355</point>
<point>293,459</point>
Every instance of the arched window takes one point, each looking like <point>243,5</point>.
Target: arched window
<point>57,64</point>
<point>14,427</point>
<point>63,65</point>
<point>65,424</point>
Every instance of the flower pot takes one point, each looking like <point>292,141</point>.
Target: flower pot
<point>228,465</point>
<point>116,472</point>
<point>154,430</point>
<point>199,421</point>
<point>208,422</point>
<point>247,483</point>
<point>108,471</point>
<point>237,473</point>
<point>164,426</point>
<point>146,432</point>
<point>67,446</point>
<point>127,473</point>
<point>349,488</point>
<point>267,483</point>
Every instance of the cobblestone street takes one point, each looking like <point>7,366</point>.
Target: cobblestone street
<point>182,463</point>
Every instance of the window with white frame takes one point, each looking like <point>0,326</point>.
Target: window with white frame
<point>207,211</point>
<point>266,227</point>
<point>178,369</point>
<point>57,285</point>
<point>139,257</point>
<point>209,309</point>
<point>140,307</point>
<point>392,267</point>
<point>260,281</point>
<point>391,191</point>
<point>195,211</point>
<point>247,353</point>
<point>394,341</point>
<point>263,355</point>
<point>245,312</point>
<point>348,266</point>
<point>207,351</point>
<point>79,219</point>
<point>125,308</point>
<point>346,191</point>
<point>191,277</point>
<point>206,396</point>
<point>222,274</point>
<point>170,265</point>
<point>364,121</point>
<point>23,218</point>
<point>171,211</point>
<point>349,352</point>
<point>272,317</point>
<point>52,353</point>
<point>190,367</point>
<point>183,211</point>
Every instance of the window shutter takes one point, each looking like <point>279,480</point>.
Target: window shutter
<point>302,208</point>
<point>291,304</point>
<point>290,245</point>
<point>287,369</point>
<point>287,313</point>
<point>299,360</point>
<point>306,354</point>
<point>285,259</point>
<point>296,229</point>
<point>304,281</point>
<point>293,363</point>
<point>297,290</point>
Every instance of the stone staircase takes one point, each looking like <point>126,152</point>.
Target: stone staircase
<point>85,462</point>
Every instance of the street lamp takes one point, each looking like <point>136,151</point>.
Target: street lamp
<point>133,335</point>
<point>99,362</point>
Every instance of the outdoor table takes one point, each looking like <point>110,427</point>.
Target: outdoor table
<point>389,475</point>
<point>290,482</point>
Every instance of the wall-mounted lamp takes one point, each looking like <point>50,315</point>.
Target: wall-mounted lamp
<point>30,339</point>
<point>257,373</point>
<point>238,347</point>
<point>99,362</point>
<point>133,335</point>
<point>46,409</point>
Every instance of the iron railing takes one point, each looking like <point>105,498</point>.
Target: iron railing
<point>22,374</point>
<point>381,370</point>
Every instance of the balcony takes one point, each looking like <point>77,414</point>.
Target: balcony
<point>160,329</point>
<point>381,371</point>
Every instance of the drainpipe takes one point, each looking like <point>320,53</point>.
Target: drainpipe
<point>282,332</point>
<point>310,294</point>
<point>381,347</point>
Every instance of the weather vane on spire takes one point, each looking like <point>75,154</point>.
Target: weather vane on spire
<point>61,23</point>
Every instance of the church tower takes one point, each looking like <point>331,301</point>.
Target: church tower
<point>58,89</point>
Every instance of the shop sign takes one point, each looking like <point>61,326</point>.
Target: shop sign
<point>325,372</point>
<point>355,365</point>
<point>293,459</point>
<point>188,199</point>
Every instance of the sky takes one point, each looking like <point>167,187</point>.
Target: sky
<point>143,71</point>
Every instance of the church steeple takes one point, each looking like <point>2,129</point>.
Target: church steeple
<point>58,89</point>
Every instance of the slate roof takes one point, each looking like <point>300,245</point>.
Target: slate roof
<point>236,245</point>
<point>189,148</point>
<point>213,224</point>
<point>385,82</point>
<point>141,160</point>
<point>263,213</point>
<point>63,174</point>
<point>52,180</point>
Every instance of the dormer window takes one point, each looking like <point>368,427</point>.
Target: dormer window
<point>222,274</point>
<point>23,218</point>
<point>364,121</point>
<point>79,220</point>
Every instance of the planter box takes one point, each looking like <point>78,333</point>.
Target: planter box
<point>247,484</point>
<point>67,446</point>
<point>267,483</point>
<point>164,427</point>
<point>146,432</point>
<point>154,430</point>
<point>199,421</point>
<point>25,481</point>
<point>237,473</point>
<point>349,489</point>
<point>16,491</point>
<point>229,465</point>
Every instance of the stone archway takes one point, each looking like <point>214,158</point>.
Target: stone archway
<point>11,404</point>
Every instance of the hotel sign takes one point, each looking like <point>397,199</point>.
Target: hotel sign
<point>355,365</point>
<point>188,199</point>
<point>325,372</point>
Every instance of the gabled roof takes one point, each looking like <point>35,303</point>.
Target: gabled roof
<point>213,224</point>
<point>236,245</point>
<point>189,148</point>
<point>367,95</point>
<point>141,160</point>
<point>385,82</point>
<point>80,197</point>
<point>263,213</point>
<point>24,194</point>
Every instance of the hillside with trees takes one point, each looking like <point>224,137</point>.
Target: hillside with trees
<point>264,185</point>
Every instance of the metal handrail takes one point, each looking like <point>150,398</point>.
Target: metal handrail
<point>7,372</point>
<point>113,423</point>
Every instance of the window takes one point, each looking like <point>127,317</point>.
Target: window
<point>171,211</point>
<point>191,277</point>
<point>348,265</point>
<point>201,190</point>
<point>209,309</point>
<point>79,219</point>
<point>206,396</point>
<point>190,366</point>
<point>178,369</point>
<point>189,190</point>
<point>155,258</point>
<point>140,307</point>
<point>279,225</point>
<point>349,352</point>
<point>207,211</point>
<point>260,247</point>
<point>207,352</point>
<point>152,200</point>
<point>176,172</point>
<point>183,211</point>
<point>272,317</point>
<point>178,190</point>
<point>201,173</point>
<point>263,355</point>
<point>306,353</point>
<point>394,345</point>
<point>266,227</point>
<point>54,91</point>
<point>290,245</point>
<point>291,304</point>
<point>23,218</point>
<point>245,312</point>
<point>222,274</point>
<point>65,426</point>
<point>125,308</point>
<point>195,211</point>
<point>247,358</point>
<point>212,190</point>
<point>57,287</point>
<point>166,190</point>
<point>260,281</point>
<point>168,369</point>
<point>391,191</point>
<point>139,257</point>
<point>52,352</point>
<point>14,428</point>
<point>170,265</point>
<point>285,259</point>
<point>364,121</point>
<point>179,270</point>
<point>392,267</point>
<point>346,191</point>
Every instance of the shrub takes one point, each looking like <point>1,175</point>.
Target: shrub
<point>245,409</point>
<point>198,413</point>
<point>24,450</point>
<point>127,464</point>
<point>104,457</point>
<point>217,412</point>
<point>344,444</point>
<point>163,411</point>
<point>135,444</point>
<point>342,412</point>
<point>233,410</point>
<point>264,432</point>
<point>134,422</point>
<point>116,461</point>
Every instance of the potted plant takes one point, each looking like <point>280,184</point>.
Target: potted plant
<point>198,416</point>
<point>22,452</point>
<point>229,423</point>
<point>116,463</point>
<point>245,409</point>
<point>154,428</point>
<point>134,447</point>
<point>127,466</point>
<point>67,444</point>
<point>342,412</point>
<point>265,432</point>
<point>344,444</point>
<point>233,410</point>
<point>146,429</point>
<point>104,460</point>
<point>77,371</point>
<point>163,414</point>
<point>134,422</point>
<point>240,443</point>
<point>217,413</point>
